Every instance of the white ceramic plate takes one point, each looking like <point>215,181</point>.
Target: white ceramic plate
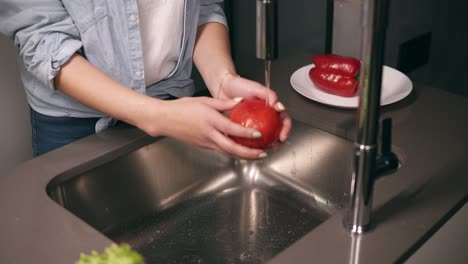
<point>395,86</point>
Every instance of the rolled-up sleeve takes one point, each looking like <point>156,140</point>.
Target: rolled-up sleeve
<point>44,35</point>
<point>212,11</point>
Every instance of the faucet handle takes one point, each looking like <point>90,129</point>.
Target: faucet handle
<point>387,161</point>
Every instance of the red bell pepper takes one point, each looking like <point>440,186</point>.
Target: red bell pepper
<point>333,83</point>
<point>337,63</point>
<point>335,74</point>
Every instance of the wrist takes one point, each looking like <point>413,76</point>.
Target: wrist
<point>222,80</point>
<point>150,116</point>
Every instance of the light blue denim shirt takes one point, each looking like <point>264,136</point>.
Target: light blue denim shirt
<point>106,32</point>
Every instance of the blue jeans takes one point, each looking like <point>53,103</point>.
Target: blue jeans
<point>49,133</point>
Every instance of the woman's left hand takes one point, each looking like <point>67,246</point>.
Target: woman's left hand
<point>233,86</point>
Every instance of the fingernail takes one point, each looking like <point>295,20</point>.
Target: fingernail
<point>237,99</point>
<point>263,155</point>
<point>256,134</point>
<point>280,106</point>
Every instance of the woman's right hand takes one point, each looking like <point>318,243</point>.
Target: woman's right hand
<point>199,121</point>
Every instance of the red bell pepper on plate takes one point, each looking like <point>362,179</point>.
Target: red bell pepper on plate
<point>337,63</point>
<point>335,74</point>
<point>334,83</point>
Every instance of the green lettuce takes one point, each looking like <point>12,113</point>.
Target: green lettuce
<point>114,254</point>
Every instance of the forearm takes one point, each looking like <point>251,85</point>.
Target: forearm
<point>212,55</point>
<point>85,83</point>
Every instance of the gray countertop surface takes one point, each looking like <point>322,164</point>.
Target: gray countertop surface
<point>447,245</point>
<point>429,137</point>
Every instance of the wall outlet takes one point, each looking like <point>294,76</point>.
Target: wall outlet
<point>414,53</point>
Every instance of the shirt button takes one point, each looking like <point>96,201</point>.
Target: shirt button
<point>138,74</point>
<point>133,18</point>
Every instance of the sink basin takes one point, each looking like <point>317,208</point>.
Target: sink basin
<point>176,203</point>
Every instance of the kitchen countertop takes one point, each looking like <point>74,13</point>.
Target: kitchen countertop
<point>429,137</point>
<point>447,245</point>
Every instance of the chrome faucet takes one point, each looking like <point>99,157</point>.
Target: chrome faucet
<point>368,162</point>
<point>266,34</point>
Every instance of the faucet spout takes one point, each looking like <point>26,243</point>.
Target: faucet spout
<point>266,29</point>
<point>266,34</point>
<point>374,19</point>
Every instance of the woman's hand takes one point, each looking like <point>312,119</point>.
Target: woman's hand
<point>212,57</point>
<point>199,121</point>
<point>233,86</point>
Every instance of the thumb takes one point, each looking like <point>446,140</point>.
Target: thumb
<point>222,104</point>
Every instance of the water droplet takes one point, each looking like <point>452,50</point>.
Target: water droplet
<point>243,256</point>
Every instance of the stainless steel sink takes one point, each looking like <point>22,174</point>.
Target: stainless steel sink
<point>175,203</point>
